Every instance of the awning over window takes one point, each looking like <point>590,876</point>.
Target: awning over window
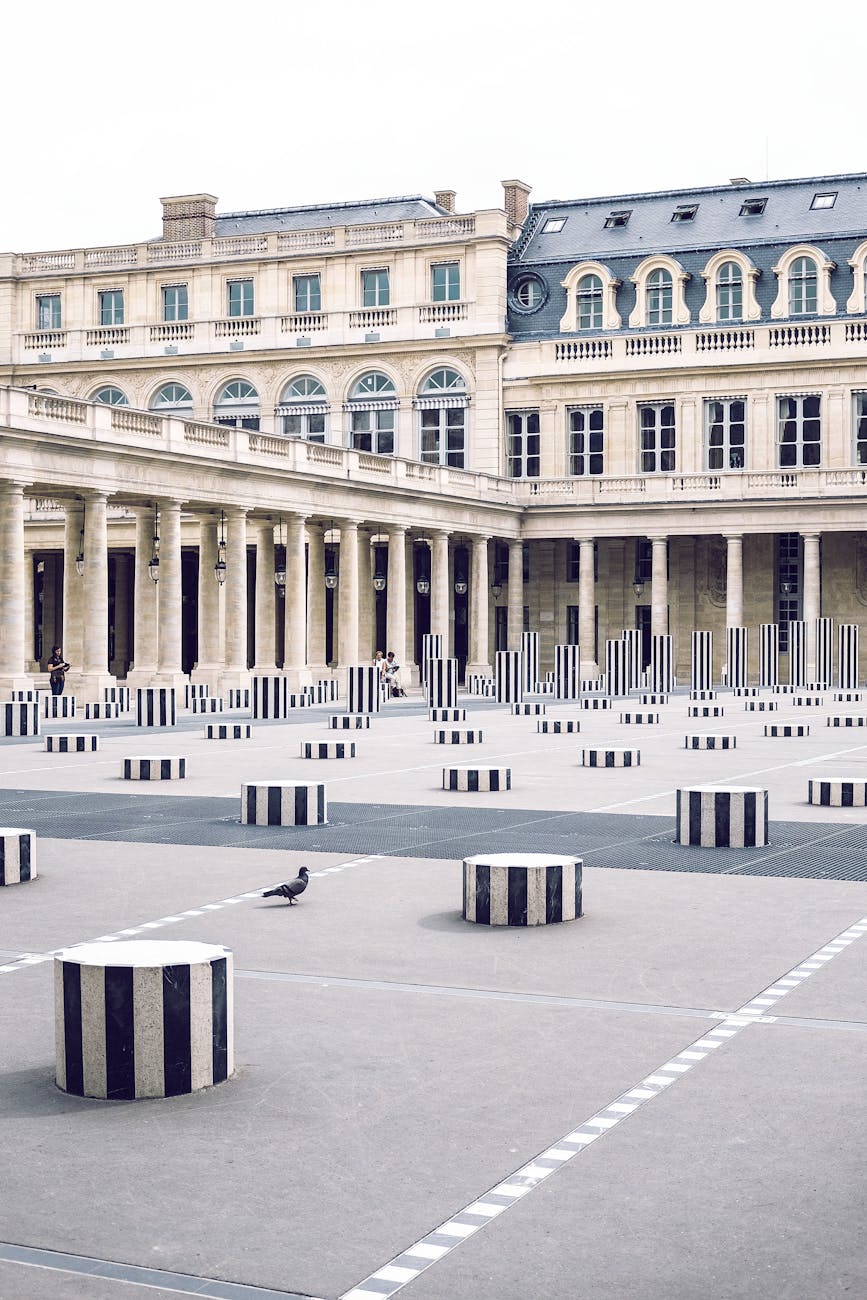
<point>302,408</point>
<point>450,403</point>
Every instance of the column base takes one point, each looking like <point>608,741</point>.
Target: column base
<point>174,679</point>
<point>589,668</point>
<point>18,682</point>
<point>209,675</point>
<point>88,687</point>
<point>298,677</point>
<point>139,677</point>
<point>234,679</point>
<point>478,670</point>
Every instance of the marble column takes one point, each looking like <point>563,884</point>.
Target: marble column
<point>440,590</point>
<point>94,657</point>
<point>145,602</point>
<point>235,673</point>
<point>30,664</point>
<point>169,671</point>
<point>479,608</point>
<point>267,598</point>
<point>316,599</point>
<point>812,606</point>
<point>210,660</point>
<point>366,594</point>
<point>395,613</point>
<point>410,671</point>
<point>659,586</point>
<point>515,596</point>
<point>587,606</point>
<point>72,638</point>
<point>12,634</point>
<point>295,625</point>
<point>734,579</point>
<point>347,595</point>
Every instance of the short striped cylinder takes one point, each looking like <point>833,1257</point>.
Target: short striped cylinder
<point>195,691</point>
<point>542,688</point>
<point>17,855</point>
<point>787,729</point>
<point>145,1018</point>
<point>847,697</point>
<point>832,792</point>
<point>71,744</point>
<point>270,693</point>
<point>458,736</point>
<point>507,676</point>
<point>298,701</point>
<point>610,758</point>
<point>705,710</point>
<point>325,691</point>
<point>155,706</point>
<point>761,706</point>
<point>441,689</point>
<point>328,749</point>
<point>431,648</point>
<point>99,712</point>
<point>524,710</point>
<point>710,817</point>
<point>699,741</point>
<point>58,706</point>
<point>653,697</point>
<point>363,689</point>
<point>846,720</point>
<point>529,660</point>
<point>593,685</point>
<point>786,689</point>
<point>154,768</point>
<point>639,719</point>
<point>703,694</point>
<point>228,731</point>
<point>118,695</point>
<point>238,697</point>
<point>558,726</point>
<point>521,889</point>
<point>206,704</point>
<point>745,692</point>
<point>477,780</point>
<point>283,803</point>
<point>349,721</point>
<point>597,702</point>
<point>808,701</point>
<point>447,715</point>
<point>20,718</point>
<point>26,696</point>
<point>567,672</point>
<point>477,684</point>
<point>701,671</point>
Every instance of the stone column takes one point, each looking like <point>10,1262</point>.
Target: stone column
<point>587,607</point>
<point>479,608</point>
<point>366,608</point>
<point>812,607</point>
<point>209,664</point>
<point>235,673</point>
<point>440,604</point>
<point>295,625</point>
<point>145,600</point>
<point>395,613</point>
<point>12,634</point>
<point>734,579</point>
<point>410,671</point>
<point>30,664</point>
<point>94,657</point>
<point>316,599</point>
<point>659,586</point>
<point>347,595</point>
<point>515,596</point>
<point>72,639</point>
<point>169,672</point>
<point>267,598</point>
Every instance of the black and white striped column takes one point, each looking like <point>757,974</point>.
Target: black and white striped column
<point>17,855</point>
<point>529,661</point>
<point>709,741</point>
<point>705,710</point>
<point>154,768</point>
<point>447,715</point>
<point>824,651</point>
<point>640,719</point>
<point>328,749</point>
<point>58,706</point>
<point>567,672</point>
<point>80,744</point>
<point>529,709</point>
<point>594,702</point>
<point>20,718</point>
<point>833,791</point>
<point>99,712</point>
<point>195,691</point>
<point>737,643</point>
<point>270,695</point>
<point>155,706</point>
<point>477,780</point>
<point>442,683</point>
<point>558,726</point>
<point>458,736</point>
<point>363,689</point>
<point>610,757</point>
<point>26,696</point>
<point>521,889</point>
<point>206,704</point>
<point>788,729</point>
<point>710,817</point>
<point>632,642</point>
<point>119,695</point>
<point>661,679</point>
<point>798,652</point>
<point>507,676</point>
<point>478,684</point>
<point>847,720</point>
<point>701,670</point>
<point>283,803</point>
<point>325,691</point>
<point>349,721</point>
<point>238,697</point>
<point>143,1018</point>
<point>761,706</point>
<point>615,668</point>
<point>847,656</point>
<point>431,648</point>
<point>769,654</point>
<point>228,731</point>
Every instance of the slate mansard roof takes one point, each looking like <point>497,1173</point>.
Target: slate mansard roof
<point>787,219</point>
<point>318,216</point>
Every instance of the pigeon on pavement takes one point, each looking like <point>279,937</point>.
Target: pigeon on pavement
<point>291,889</point>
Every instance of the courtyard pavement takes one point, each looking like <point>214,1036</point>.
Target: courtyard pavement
<point>663,1099</point>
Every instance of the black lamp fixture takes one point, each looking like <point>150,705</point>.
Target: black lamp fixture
<point>496,589</point>
<point>422,585</point>
<point>220,566</point>
<point>786,588</point>
<point>79,559</point>
<point>460,576</point>
<point>280,567</point>
<point>154,566</point>
<point>380,581</point>
<point>638,587</point>
<point>330,571</point>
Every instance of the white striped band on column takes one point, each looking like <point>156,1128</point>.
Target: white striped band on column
<point>701,671</point>
<point>283,803</point>
<point>715,817</point>
<point>363,689</point>
<point>567,672</point>
<point>20,718</point>
<point>155,706</point>
<point>17,855</point>
<point>507,676</point>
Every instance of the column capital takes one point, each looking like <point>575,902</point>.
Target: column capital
<point>733,537</point>
<point>479,539</point>
<point>811,536</point>
<point>94,494</point>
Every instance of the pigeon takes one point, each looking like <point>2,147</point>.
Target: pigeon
<point>291,889</point>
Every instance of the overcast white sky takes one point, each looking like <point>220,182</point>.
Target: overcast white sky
<point>106,107</point>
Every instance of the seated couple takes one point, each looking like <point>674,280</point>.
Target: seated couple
<point>389,672</point>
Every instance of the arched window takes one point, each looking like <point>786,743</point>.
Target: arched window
<point>110,396</point>
<point>803,287</point>
<point>589,296</point>
<point>304,409</point>
<point>659,298</point>
<point>172,399</point>
<point>729,292</point>
<point>442,418</point>
<point>237,404</point>
<point>372,408</point>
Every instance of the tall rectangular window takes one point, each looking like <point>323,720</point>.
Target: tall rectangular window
<point>111,307</point>
<point>372,431</point>
<point>501,563</point>
<point>587,440</point>
<point>445,282</point>
<point>573,561</point>
<point>442,435</point>
<point>860,423</point>
<point>657,438</point>
<point>725,433</point>
<point>48,311</point>
<point>375,291</point>
<point>307,292</point>
<point>799,431</point>
<point>789,553</point>
<point>175,302</point>
<point>239,298</point>
<point>523,444</point>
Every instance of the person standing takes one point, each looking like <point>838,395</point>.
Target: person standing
<point>58,668</point>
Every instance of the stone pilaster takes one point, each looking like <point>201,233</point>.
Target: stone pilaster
<point>236,673</point>
<point>515,596</point>
<point>479,609</point>
<point>295,625</point>
<point>145,602</point>
<point>347,599</point>
<point>12,580</point>
<point>659,586</point>
<point>267,598</point>
<point>587,607</point>
<point>210,661</point>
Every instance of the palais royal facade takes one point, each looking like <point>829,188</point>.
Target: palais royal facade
<point>284,439</point>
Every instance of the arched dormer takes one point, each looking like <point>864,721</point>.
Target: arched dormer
<point>794,265</point>
<point>653,279</point>
<point>580,290</point>
<point>856,304</point>
<point>721,285</point>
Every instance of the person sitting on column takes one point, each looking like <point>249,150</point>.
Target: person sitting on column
<point>57,668</point>
<point>379,664</point>
<point>392,676</point>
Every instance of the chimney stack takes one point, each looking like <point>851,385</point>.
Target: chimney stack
<point>189,216</point>
<point>445,199</point>
<point>516,195</point>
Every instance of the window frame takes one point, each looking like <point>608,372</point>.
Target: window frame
<point>181,306</point>
<point>380,295</point>
<point>109,401</point>
<point>751,310</point>
<point>825,302</point>
<point>587,455</point>
<point>529,460</point>
<point>307,299</point>
<point>727,450</point>
<point>570,321</point>
<point>798,443</point>
<point>450,283</point>
<point>242,411</point>
<point>111,307</point>
<point>658,450</point>
<point>680,315</point>
<point>803,286</point>
<point>245,309</point>
<point>56,317</point>
<point>859,441</point>
<point>309,407</point>
<point>177,406</point>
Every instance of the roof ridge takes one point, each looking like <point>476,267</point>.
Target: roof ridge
<point>689,190</point>
<point>323,207</point>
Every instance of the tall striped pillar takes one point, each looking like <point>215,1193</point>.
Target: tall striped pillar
<point>363,692</point>
<point>442,683</point>
<point>431,648</point>
<point>662,663</point>
<point>701,674</point>
<point>567,672</point>
<point>798,652</point>
<point>737,640</point>
<point>847,656</point>
<point>824,651</point>
<point>615,667</point>
<point>507,677</point>
<point>632,642</point>
<point>270,695</point>
<point>529,661</point>
<point>769,654</point>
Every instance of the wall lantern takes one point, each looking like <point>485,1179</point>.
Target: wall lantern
<point>496,589</point>
<point>220,566</point>
<point>638,588</point>
<point>154,566</point>
<point>280,567</point>
<point>330,571</point>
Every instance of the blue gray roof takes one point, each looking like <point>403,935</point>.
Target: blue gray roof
<point>315,217</point>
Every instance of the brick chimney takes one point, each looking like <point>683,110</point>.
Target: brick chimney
<point>516,195</point>
<point>445,199</point>
<point>189,216</point>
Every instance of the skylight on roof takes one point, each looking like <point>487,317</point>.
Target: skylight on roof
<point>684,212</point>
<point>753,207</point>
<point>618,218</point>
<point>824,200</point>
<point>553,225</point>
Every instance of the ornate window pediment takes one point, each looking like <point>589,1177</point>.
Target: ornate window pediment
<point>794,293</point>
<point>721,288</point>
<point>591,299</point>
<point>857,301</point>
<point>654,279</point>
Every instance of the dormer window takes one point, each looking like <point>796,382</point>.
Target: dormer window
<point>553,225</point>
<point>824,200</point>
<point>619,218</point>
<point>753,207</point>
<point>684,212</point>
